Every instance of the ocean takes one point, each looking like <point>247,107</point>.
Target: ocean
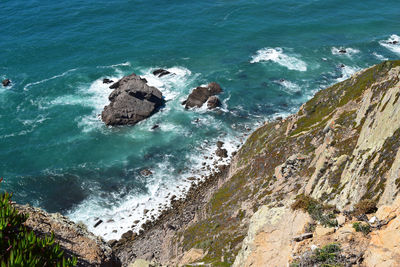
<point>268,56</point>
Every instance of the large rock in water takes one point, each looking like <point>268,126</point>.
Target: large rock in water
<point>131,101</point>
<point>200,95</point>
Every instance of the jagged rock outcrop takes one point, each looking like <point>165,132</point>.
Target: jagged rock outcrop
<point>341,148</point>
<point>160,72</point>
<point>201,95</point>
<point>74,239</point>
<point>131,101</point>
<point>6,82</point>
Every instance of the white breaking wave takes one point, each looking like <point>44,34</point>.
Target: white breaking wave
<point>179,78</point>
<point>349,51</point>
<point>120,217</point>
<point>380,57</point>
<point>276,55</point>
<point>289,87</point>
<point>48,79</point>
<point>347,72</point>
<point>124,64</point>
<point>393,43</point>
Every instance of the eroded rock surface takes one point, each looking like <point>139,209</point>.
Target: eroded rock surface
<point>76,240</point>
<point>341,148</point>
<point>200,95</point>
<point>131,101</point>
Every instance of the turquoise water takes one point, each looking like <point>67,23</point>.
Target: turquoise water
<point>269,57</point>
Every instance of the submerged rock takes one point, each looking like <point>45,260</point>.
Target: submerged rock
<point>131,101</point>
<point>105,80</point>
<point>161,72</point>
<point>146,172</point>
<point>200,95</point>
<point>6,82</point>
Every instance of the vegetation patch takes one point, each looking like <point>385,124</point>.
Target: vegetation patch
<point>20,246</point>
<point>362,227</point>
<point>325,214</point>
<point>327,256</point>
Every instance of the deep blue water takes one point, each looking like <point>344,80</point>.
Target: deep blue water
<point>269,57</point>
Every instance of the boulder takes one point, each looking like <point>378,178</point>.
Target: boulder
<point>6,82</point>
<point>146,172</point>
<point>105,80</point>
<point>200,95</point>
<point>131,101</point>
<point>342,51</point>
<point>161,72</point>
<point>221,152</point>
<point>213,102</point>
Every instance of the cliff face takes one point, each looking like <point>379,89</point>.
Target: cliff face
<point>74,239</point>
<point>340,148</point>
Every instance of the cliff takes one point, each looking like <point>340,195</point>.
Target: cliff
<point>74,239</point>
<point>294,187</point>
<point>318,187</point>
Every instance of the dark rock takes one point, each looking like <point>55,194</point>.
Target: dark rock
<point>114,85</point>
<point>105,80</point>
<point>161,72</point>
<point>128,235</point>
<point>136,222</point>
<point>220,144</point>
<point>171,227</point>
<point>112,242</point>
<point>200,95</point>
<point>131,101</point>
<point>98,223</point>
<point>155,126</point>
<point>303,237</point>
<point>393,42</point>
<point>342,51</point>
<point>213,102</point>
<point>6,82</point>
<point>146,172</point>
<point>221,152</point>
<point>278,118</point>
<point>145,211</point>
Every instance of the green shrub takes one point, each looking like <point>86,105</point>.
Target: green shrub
<point>325,214</point>
<point>19,246</point>
<point>362,227</point>
<point>327,256</point>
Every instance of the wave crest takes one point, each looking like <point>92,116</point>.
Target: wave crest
<point>276,55</point>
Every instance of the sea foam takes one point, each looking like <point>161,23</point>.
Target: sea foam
<point>392,43</point>
<point>276,55</point>
<point>349,51</point>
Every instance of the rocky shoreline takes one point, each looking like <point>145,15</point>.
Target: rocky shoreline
<point>323,180</point>
<point>149,242</point>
